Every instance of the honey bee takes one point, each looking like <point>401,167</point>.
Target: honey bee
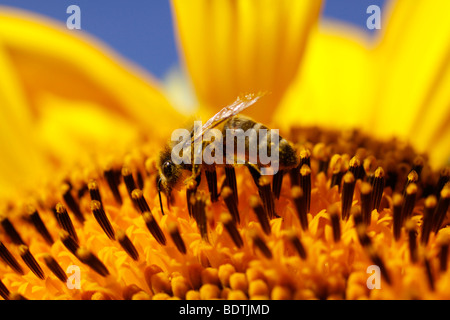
<point>171,174</point>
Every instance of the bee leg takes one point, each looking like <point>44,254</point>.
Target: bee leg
<point>211,178</point>
<point>264,189</point>
<point>170,200</point>
<point>195,177</point>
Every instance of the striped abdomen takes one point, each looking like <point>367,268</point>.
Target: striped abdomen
<point>257,141</point>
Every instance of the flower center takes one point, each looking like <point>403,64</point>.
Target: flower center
<point>308,232</point>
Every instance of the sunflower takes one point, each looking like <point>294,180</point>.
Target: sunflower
<point>363,215</point>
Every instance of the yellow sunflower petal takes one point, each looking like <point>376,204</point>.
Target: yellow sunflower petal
<point>61,90</point>
<point>333,88</point>
<point>235,47</point>
<point>15,141</point>
<point>413,100</point>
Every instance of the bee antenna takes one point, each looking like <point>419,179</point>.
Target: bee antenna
<point>159,194</point>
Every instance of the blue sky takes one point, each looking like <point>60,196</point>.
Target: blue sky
<point>142,30</point>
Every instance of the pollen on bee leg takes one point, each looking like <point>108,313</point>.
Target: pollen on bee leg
<point>4,292</point>
<point>176,237</point>
<point>153,227</point>
<point>55,268</point>
<point>300,205</point>
<point>366,202</point>
<point>348,189</point>
<point>68,241</point>
<point>267,196</point>
<point>10,230</point>
<point>227,195</point>
<point>211,179</point>
<point>261,214</point>
<point>112,182</point>
<point>230,226</point>
<point>230,181</point>
<point>127,245</point>
<point>88,258</point>
<point>137,196</point>
<point>102,219</point>
<point>31,262</point>
<point>260,244</point>
<point>65,222</point>
<point>9,259</point>
<point>71,203</point>
<point>35,218</point>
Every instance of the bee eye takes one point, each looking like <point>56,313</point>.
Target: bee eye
<point>167,168</point>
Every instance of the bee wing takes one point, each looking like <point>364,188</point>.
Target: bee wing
<point>230,110</point>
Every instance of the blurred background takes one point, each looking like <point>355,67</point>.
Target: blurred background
<point>142,31</point>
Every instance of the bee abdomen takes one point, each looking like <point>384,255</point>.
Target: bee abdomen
<point>257,140</point>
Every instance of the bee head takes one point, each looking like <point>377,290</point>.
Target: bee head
<point>169,174</point>
<point>168,169</point>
